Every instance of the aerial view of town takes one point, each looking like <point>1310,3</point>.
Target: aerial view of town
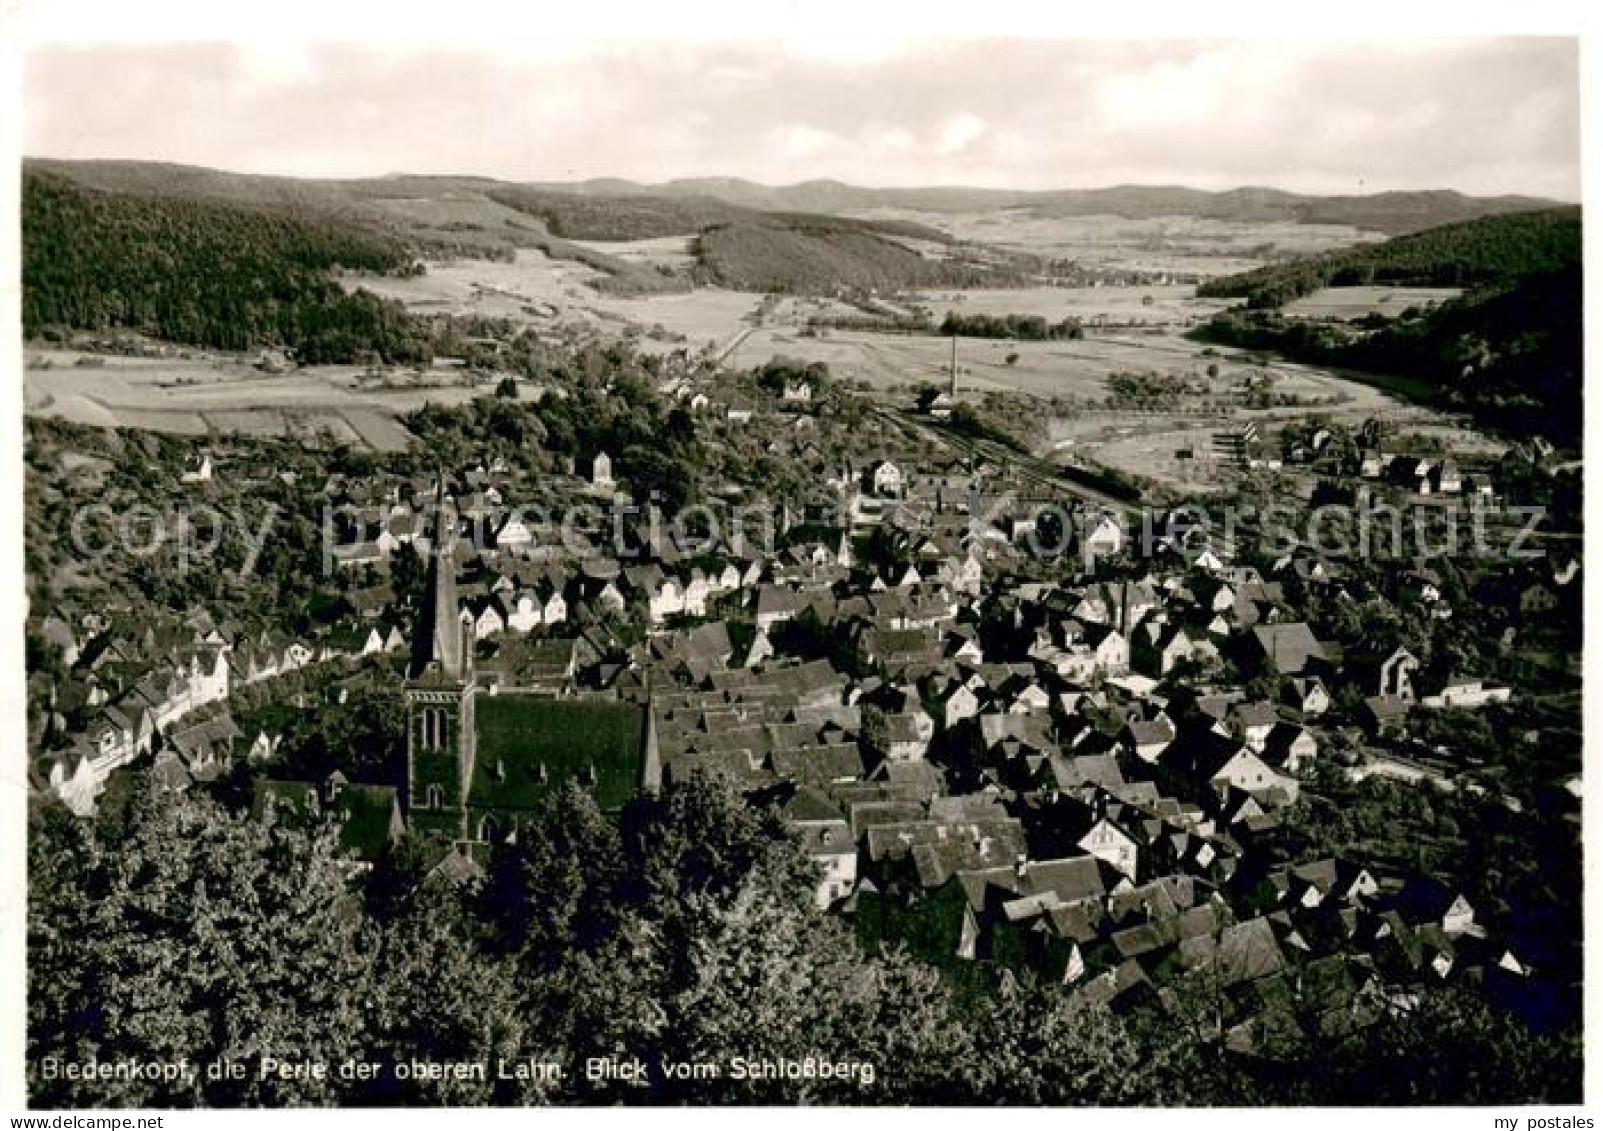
<point>504,638</point>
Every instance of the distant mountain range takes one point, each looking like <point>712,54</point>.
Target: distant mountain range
<point>1391,213</point>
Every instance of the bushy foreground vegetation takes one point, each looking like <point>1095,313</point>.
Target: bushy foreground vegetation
<point>176,929</point>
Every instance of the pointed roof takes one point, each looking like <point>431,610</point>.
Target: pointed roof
<point>437,647</point>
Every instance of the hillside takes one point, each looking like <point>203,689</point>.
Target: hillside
<point>817,256</point>
<point>1490,251</point>
<point>476,217</point>
<point>1509,351</point>
<point>207,272</point>
<point>1391,213</point>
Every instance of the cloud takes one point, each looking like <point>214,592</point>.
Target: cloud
<point>960,132</point>
<point>1483,115</point>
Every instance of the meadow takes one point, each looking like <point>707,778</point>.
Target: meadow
<point>1357,302</point>
<point>203,395</point>
<point>1184,244</point>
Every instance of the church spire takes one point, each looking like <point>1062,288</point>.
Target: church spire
<point>437,646</point>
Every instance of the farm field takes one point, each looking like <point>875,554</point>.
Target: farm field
<point>1172,305</point>
<point>1356,302</point>
<point>1188,244</point>
<point>664,251</point>
<point>553,293</point>
<point>204,395</point>
<point>895,363</point>
<point>489,288</point>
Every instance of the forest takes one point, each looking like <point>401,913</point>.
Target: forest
<point>1511,358</point>
<point>1015,327</point>
<point>209,273</point>
<point>1492,251</point>
<point>822,255</point>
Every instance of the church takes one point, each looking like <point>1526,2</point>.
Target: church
<point>480,758</point>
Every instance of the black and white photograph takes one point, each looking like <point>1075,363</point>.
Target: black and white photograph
<point>919,570</point>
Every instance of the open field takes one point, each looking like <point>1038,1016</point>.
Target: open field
<point>489,288</point>
<point>1153,306</point>
<point>1356,302</point>
<point>200,396</point>
<point>665,251</point>
<point>552,293</point>
<point>1188,244</point>
<point>1078,369</point>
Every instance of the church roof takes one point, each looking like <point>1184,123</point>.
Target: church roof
<point>527,745</point>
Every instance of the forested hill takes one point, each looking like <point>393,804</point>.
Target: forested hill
<point>1392,213</point>
<point>477,217</point>
<point>207,272</point>
<point>1491,251</point>
<point>1508,351</point>
<point>818,255</point>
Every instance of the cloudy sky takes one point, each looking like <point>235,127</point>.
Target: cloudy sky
<point>1479,115</point>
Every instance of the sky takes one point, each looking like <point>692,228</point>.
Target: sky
<point>1481,115</point>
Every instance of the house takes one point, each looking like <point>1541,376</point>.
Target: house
<point>1427,902</point>
<point>197,468</point>
<point>1159,648</point>
<point>1308,696</point>
<point>826,838</point>
<point>1148,740</point>
<point>1111,844</point>
<point>1385,714</point>
<point>1100,650</point>
<point>1287,649</point>
<point>526,612</point>
<point>1320,881</point>
<point>1252,723</point>
<point>1102,536</point>
<point>601,470</point>
<point>1388,674</point>
<point>908,735</point>
<point>1464,691</point>
<point>489,617</point>
<point>514,533</point>
<point>776,604</point>
<point>1289,747</point>
<point>886,479</point>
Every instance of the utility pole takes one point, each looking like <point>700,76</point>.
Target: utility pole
<point>953,390</point>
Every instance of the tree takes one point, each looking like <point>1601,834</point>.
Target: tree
<point>440,999</point>
<point>556,890</point>
<point>201,937</point>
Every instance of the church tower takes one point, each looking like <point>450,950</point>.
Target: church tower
<point>439,694</point>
